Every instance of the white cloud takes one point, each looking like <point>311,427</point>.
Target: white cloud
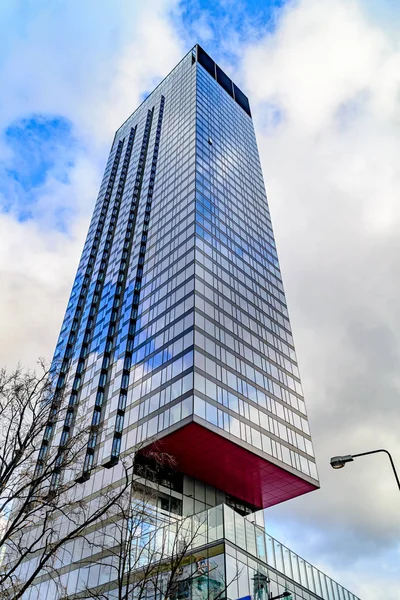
<point>332,173</point>
<point>38,263</point>
<point>91,67</point>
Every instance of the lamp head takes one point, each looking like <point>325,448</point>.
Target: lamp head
<point>338,462</point>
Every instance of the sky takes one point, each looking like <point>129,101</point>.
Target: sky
<point>323,79</point>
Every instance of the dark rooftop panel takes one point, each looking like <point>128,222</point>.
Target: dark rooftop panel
<point>224,81</point>
<point>206,61</point>
<point>241,99</point>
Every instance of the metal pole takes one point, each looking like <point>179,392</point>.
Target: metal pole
<point>390,458</point>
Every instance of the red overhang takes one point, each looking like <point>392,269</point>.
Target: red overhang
<point>209,457</point>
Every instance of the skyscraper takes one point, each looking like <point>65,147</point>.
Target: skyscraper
<point>177,336</point>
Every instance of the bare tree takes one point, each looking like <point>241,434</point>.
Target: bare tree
<point>150,554</point>
<point>143,551</point>
<point>42,507</point>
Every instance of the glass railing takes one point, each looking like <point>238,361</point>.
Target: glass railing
<point>223,523</point>
<point>259,544</point>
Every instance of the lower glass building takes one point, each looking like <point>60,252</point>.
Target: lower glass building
<point>177,339</point>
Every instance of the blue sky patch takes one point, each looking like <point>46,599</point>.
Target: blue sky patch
<point>36,144</point>
<point>270,116</point>
<point>223,25</point>
<point>37,148</point>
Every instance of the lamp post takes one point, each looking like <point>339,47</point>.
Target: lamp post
<point>338,462</point>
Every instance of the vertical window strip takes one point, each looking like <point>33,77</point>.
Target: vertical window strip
<point>66,360</point>
<point>93,311</point>
<point>113,459</point>
<point>116,313</point>
<point>91,322</point>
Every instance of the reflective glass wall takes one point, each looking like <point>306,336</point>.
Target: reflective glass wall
<point>247,382</point>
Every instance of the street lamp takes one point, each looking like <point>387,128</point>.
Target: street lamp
<point>338,462</point>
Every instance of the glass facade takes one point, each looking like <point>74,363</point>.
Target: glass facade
<point>178,315</point>
<point>177,334</point>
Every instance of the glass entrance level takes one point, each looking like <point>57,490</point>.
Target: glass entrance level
<point>228,557</point>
